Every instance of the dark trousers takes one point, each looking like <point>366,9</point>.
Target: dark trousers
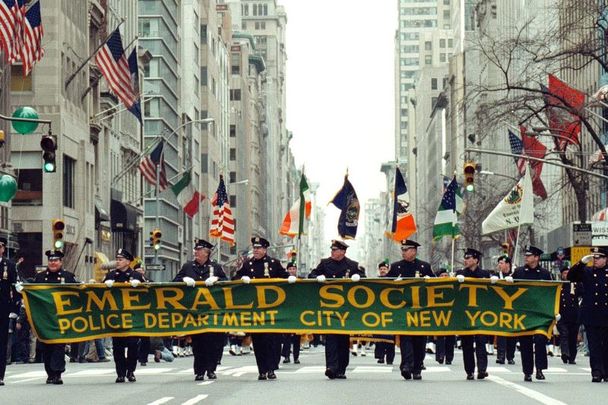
<point>123,365</point>
<point>505,348</point>
<point>205,350</point>
<point>533,353</point>
<point>444,348</point>
<point>337,352</point>
<point>53,356</point>
<point>144,349</point>
<point>413,351</point>
<point>469,353</point>
<point>277,344</point>
<point>291,344</point>
<point>385,351</point>
<point>263,346</point>
<point>597,338</point>
<point>3,342</point>
<point>568,334</point>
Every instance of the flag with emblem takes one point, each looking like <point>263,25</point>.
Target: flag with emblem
<point>293,223</point>
<point>222,223</point>
<point>348,203</point>
<point>446,220</point>
<point>562,103</point>
<point>404,224</point>
<point>187,195</point>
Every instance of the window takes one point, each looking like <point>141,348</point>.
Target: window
<point>203,75</point>
<point>446,2</point>
<point>246,9</point>
<point>265,9</point>
<point>69,171</point>
<point>18,81</point>
<point>428,59</point>
<point>446,14</point>
<point>203,33</point>
<point>235,95</point>
<point>232,153</point>
<point>204,163</point>
<point>255,9</point>
<point>233,131</point>
<point>442,57</point>
<point>442,43</point>
<point>433,84</point>
<point>232,201</point>
<point>235,63</point>
<point>232,177</point>
<point>450,43</point>
<point>29,187</point>
<point>428,46</point>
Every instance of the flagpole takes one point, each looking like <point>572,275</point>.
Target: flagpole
<point>452,261</point>
<point>157,207</point>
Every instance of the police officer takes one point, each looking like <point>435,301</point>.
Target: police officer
<point>291,341</point>
<point>8,303</point>
<point>568,324</point>
<point>469,353</point>
<point>505,345</point>
<point>533,348</point>
<point>444,345</point>
<point>592,273</point>
<point>385,347</point>
<point>260,266</point>
<point>205,346</point>
<point>124,274</point>
<point>337,266</point>
<point>53,355</point>
<point>412,347</point>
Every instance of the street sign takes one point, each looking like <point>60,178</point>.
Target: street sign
<point>599,234</point>
<point>581,234</point>
<point>577,253</point>
<point>155,267</point>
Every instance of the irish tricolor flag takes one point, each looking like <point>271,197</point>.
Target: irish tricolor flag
<point>186,194</point>
<point>293,224</point>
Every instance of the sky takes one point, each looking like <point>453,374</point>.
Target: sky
<point>340,96</point>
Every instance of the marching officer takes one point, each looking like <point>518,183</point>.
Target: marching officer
<point>505,345</point>
<point>291,341</point>
<point>469,353</point>
<point>337,266</point>
<point>592,272</point>
<point>444,345</point>
<point>568,324</point>
<point>124,274</point>
<point>205,346</point>
<point>8,303</point>
<point>385,348</point>
<point>533,348</point>
<point>54,354</point>
<point>412,347</point>
<point>260,266</point>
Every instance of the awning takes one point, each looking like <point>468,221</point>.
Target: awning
<point>124,217</point>
<point>101,214</point>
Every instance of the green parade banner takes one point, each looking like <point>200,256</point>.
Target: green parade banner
<point>62,313</point>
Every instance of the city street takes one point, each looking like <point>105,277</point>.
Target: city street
<point>367,383</point>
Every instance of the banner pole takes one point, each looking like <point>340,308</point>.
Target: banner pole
<point>452,261</point>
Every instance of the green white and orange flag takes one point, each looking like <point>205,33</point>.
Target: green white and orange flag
<point>293,223</point>
<point>187,196</point>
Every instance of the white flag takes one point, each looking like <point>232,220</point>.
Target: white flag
<point>516,209</point>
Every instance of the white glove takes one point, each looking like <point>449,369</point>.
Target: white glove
<point>211,280</point>
<point>398,278</point>
<point>109,283</point>
<point>189,281</point>
<point>19,286</point>
<point>587,259</point>
<point>321,278</point>
<point>493,279</point>
<point>12,315</point>
<point>135,282</point>
<point>558,317</point>
<point>427,277</point>
<point>246,279</point>
<point>355,277</point>
<point>509,279</point>
<point>291,279</point>
<point>460,278</point>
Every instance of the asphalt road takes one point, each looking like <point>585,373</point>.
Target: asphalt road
<point>367,383</point>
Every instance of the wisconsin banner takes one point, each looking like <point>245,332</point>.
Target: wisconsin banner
<point>516,209</point>
<point>347,201</point>
<point>404,224</point>
<point>74,313</point>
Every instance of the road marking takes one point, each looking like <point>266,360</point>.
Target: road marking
<point>94,372</point>
<point>498,370</point>
<point>530,393</point>
<point>310,370</point>
<point>161,401</point>
<point>149,371</point>
<point>31,374</point>
<point>432,369</point>
<point>556,370</point>
<point>195,400</point>
<point>372,369</point>
<point>239,371</point>
<point>206,383</point>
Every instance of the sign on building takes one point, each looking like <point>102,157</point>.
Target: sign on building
<point>581,234</point>
<point>599,234</point>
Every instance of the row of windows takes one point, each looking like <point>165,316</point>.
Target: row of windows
<point>256,9</point>
<point>410,49</point>
<point>445,2</point>
<point>418,23</point>
<point>419,11</point>
<point>258,25</point>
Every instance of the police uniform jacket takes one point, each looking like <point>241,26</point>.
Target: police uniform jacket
<point>568,303</point>
<point>477,273</point>
<point>527,273</point>
<point>123,276</point>
<point>256,268</point>
<point>331,268</point>
<point>403,268</point>
<point>56,277</point>
<point>594,307</point>
<point>8,294</point>
<point>200,272</point>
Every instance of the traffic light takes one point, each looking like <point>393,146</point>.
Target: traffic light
<point>48,143</point>
<point>155,236</point>
<point>469,176</point>
<point>58,226</point>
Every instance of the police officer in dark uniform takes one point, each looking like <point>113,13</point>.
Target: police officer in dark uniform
<point>260,265</point>
<point>412,347</point>
<point>384,347</point>
<point>337,346</point>
<point>53,355</point>
<point>291,341</point>
<point>205,346</point>
<point>592,273</point>
<point>469,353</point>
<point>8,303</point>
<point>533,348</point>
<point>124,274</point>
<point>505,345</point>
<point>444,345</point>
<point>568,324</point>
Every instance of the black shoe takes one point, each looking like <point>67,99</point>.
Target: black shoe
<point>49,380</point>
<point>511,362</point>
<point>199,377</point>
<point>406,374</point>
<point>57,381</point>
<point>286,361</point>
<point>423,367</point>
<point>331,374</point>
<point>596,379</point>
<point>440,361</point>
<point>120,379</point>
<point>262,376</point>
<point>481,375</point>
<point>528,377</point>
<point>500,361</point>
<point>143,364</point>
<point>272,376</point>
<point>470,377</point>
<point>390,364</point>
<point>354,353</point>
<point>296,361</point>
<point>341,376</point>
<point>211,375</point>
<point>449,363</point>
<point>381,361</point>
<point>1,382</point>
<point>540,375</point>
<point>131,376</point>
<point>571,362</point>
<point>417,376</point>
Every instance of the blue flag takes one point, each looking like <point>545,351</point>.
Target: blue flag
<point>346,200</point>
<point>134,71</point>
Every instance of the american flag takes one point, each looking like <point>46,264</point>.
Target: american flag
<point>517,148</point>
<point>32,32</point>
<point>222,224</point>
<point>9,12</point>
<point>148,167</point>
<point>114,66</point>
